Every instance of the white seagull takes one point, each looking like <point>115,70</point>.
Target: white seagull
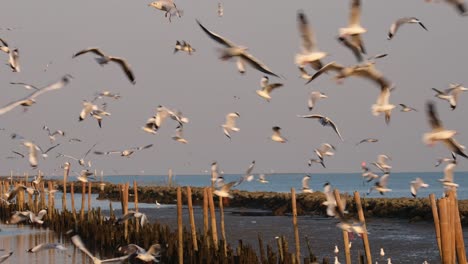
<point>76,240</point>
<point>439,133</point>
<point>124,153</point>
<point>305,184</point>
<point>46,246</point>
<point>313,97</point>
<point>447,181</point>
<point>30,99</point>
<point>132,214</point>
<point>354,28</point>
<point>399,22</point>
<point>167,5</point>
<point>104,59</point>
<point>381,185</point>
<point>416,184</point>
<point>33,148</point>
<point>233,50</point>
<point>262,179</point>
<point>230,124</point>
<point>267,88</point>
<point>81,160</point>
<point>277,137</point>
<point>179,137</point>
<point>382,164</point>
<point>405,108</point>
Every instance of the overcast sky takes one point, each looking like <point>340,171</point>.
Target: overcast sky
<point>205,88</point>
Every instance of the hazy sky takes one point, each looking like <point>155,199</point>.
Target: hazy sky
<point>204,88</point>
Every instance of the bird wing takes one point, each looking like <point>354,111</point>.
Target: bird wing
<point>144,147</point>
<point>250,168</point>
<point>384,180</point>
<point>57,85</point>
<point>311,116</point>
<point>221,40</point>
<point>254,62</point>
<point>11,105</point>
<point>434,120</point>
<point>272,86</point>
<point>22,156</point>
<point>231,120</point>
<point>355,14</point>
<point>27,86</point>
<point>307,35</point>
<point>448,172</point>
<point>89,150</point>
<point>332,66</point>
<point>96,51</point>
<point>332,124</point>
<point>76,240</point>
<point>49,149</point>
<point>5,257</point>
<point>455,147</point>
<point>352,46</point>
<point>125,67</point>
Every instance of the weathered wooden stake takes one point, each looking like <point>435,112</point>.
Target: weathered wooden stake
<point>83,197</point>
<point>214,233</point>
<point>66,171</point>
<point>221,219</point>
<point>365,238</point>
<point>296,229</point>
<point>192,219</point>
<point>72,191</point>
<point>180,227</point>
<point>336,192</point>
<point>444,231</point>
<point>205,216</point>
<point>435,215</point>
<point>135,201</point>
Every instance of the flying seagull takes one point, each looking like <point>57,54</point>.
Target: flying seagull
<point>179,137</point>
<point>416,184</point>
<point>382,164</point>
<point>447,181</point>
<point>246,177</point>
<point>305,185</point>
<point>399,22</point>
<point>230,124</point>
<point>104,59</point>
<point>451,94</point>
<point>313,97</point>
<point>30,99</point>
<point>405,108</point>
<point>46,246</point>
<point>267,88</point>
<point>309,54</point>
<point>233,50</point>
<point>439,133</point>
<point>123,153</point>
<point>167,5</point>
<point>183,46</point>
<point>76,240</point>
<point>81,160</point>
<point>368,140</point>
<point>33,148</point>
<point>13,56</point>
<point>325,121</point>
<point>381,185</point>
<point>25,85</point>
<point>354,28</point>
<point>132,214</point>
<point>277,137</point>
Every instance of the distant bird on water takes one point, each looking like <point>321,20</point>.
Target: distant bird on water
<point>104,59</point>
<point>233,50</point>
<point>399,22</point>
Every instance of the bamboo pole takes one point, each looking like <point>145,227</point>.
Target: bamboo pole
<point>90,186</point>
<point>444,231</point>
<point>49,201</point>
<point>459,242</point>
<point>365,237</point>
<point>279,242</point>
<point>205,216</point>
<point>135,202</point>
<point>169,178</point>
<point>296,230</point>
<point>451,214</point>
<point>72,193</point>
<point>66,171</point>
<point>435,215</point>
<point>180,230</point>
<point>336,192</point>
<point>83,196</point>
<point>223,231</point>
<point>125,208</point>
<point>214,233</point>
<point>192,219</point>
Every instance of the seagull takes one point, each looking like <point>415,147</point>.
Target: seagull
<point>416,184</point>
<point>354,28</point>
<point>52,135</point>
<point>25,85</point>
<point>348,43</point>
<point>13,192</point>
<point>5,257</point>
<point>325,150</point>
<point>149,256</point>
<point>311,161</point>
<point>179,136</point>
<point>304,74</point>
<point>305,184</point>
<point>13,59</point>
<point>330,200</point>
<point>381,163</point>
<point>123,153</point>
<point>448,160</point>
<point>94,111</point>
<point>183,46</point>
<point>267,88</point>
<point>405,108</point>
<point>104,59</point>
<point>325,121</point>
<point>167,5</point>
<point>399,22</point>
<point>313,97</point>
<point>220,10</point>
<point>76,240</point>
<point>381,185</point>
<point>223,191</point>
<point>30,99</point>
<point>277,137</point>
<point>447,181</point>
<point>133,214</point>
<point>336,251</point>
<point>19,217</point>
<point>46,246</point>
<point>233,50</point>
<point>382,252</point>
<point>230,124</point>
<point>33,148</point>
<point>248,176</point>
<point>438,133</point>
<point>261,178</point>
<point>214,171</point>
<point>451,94</point>
<point>458,4</point>
<point>130,249</point>
<point>109,94</point>
<point>383,105</point>
<point>309,54</point>
<point>336,260</point>
<point>154,123</point>
<point>81,160</point>
<point>368,140</point>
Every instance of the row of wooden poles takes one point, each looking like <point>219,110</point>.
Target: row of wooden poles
<point>445,212</point>
<point>449,233</point>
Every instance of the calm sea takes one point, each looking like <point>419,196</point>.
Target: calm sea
<point>345,182</point>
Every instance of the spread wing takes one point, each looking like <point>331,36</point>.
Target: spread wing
<point>125,67</point>
<point>217,38</point>
<point>96,51</point>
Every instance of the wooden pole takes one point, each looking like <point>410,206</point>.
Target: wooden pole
<point>336,192</point>
<point>125,208</point>
<point>169,177</point>
<point>90,186</point>
<point>279,242</point>
<point>365,237</point>
<point>135,201</point>
<point>444,232</point>
<point>192,219</point>
<point>221,219</point>
<point>83,196</point>
<point>451,214</point>
<point>214,233</point>
<point>66,171</point>
<point>205,216</point>
<point>296,230</point>
<point>180,227</point>
<point>459,242</point>
<point>72,191</point>
<point>435,215</point>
